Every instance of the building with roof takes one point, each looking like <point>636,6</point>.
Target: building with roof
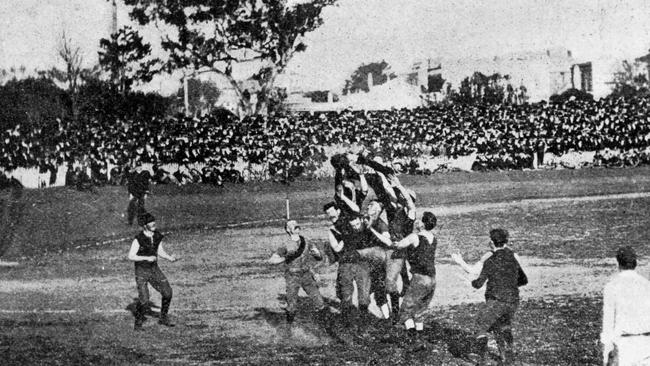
<point>543,73</point>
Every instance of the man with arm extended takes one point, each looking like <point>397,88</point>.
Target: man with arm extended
<point>421,255</point>
<point>503,275</point>
<point>298,258</point>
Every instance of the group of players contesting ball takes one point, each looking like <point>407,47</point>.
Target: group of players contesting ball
<point>385,249</point>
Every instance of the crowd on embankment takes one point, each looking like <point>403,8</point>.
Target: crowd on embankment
<point>220,147</point>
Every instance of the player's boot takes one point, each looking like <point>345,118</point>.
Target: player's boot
<point>164,320</point>
<point>394,304</point>
<point>322,316</point>
<point>139,316</point>
<point>505,345</point>
<point>291,317</point>
<point>164,310</point>
<point>478,351</point>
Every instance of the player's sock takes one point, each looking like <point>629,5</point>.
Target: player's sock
<point>291,317</point>
<point>419,326</point>
<point>385,311</point>
<point>363,309</point>
<point>394,303</point>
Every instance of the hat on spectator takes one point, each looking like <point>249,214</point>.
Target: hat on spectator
<point>145,218</point>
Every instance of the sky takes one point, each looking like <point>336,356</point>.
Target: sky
<point>363,31</point>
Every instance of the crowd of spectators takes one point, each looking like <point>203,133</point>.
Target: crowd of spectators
<point>503,136</point>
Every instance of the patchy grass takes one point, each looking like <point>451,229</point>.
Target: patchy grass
<point>228,301</point>
<point>58,219</point>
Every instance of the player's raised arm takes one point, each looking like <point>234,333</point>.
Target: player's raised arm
<point>388,189</point>
<point>350,202</point>
<point>336,244</point>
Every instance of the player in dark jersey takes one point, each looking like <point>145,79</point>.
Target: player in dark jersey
<point>145,250</point>
<point>299,259</point>
<point>503,274</point>
<point>421,256</point>
<point>344,241</point>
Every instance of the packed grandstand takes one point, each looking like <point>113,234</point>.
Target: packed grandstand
<point>220,147</point>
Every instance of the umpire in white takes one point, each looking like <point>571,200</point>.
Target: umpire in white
<point>626,314</point>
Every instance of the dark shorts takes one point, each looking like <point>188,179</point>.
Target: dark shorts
<point>350,273</point>
<point>417,298</point>
<point>495,315</point>
<point>306,280</point>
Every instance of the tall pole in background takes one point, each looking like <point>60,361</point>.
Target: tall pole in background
<point>186,98</point>
<point>114,17</point>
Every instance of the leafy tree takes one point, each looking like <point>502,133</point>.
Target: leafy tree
<point>100,100</point>
<point>359,78</point>
<point>435,83</point>
<point>630,79</point>
<point>320,96</point>
<point>33,103</point>
<point>74,73</point>
<point>480,88</point>
<point>202,95</point>
<point>570,94</point>
<point>215,36</point>
<point>123,56</point>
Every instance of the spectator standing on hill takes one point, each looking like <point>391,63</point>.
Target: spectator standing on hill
<point>138,187</point>
<point>299,259</point>
<point>503,275</point>
<point>145,250</point>
<point>626,314</point>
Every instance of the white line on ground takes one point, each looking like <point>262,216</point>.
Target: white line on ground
<point>438,210</point>
<point>114,311</point>
<point>460,209</point>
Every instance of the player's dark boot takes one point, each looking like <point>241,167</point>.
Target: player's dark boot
<point>505,341</point>
<point>291,317</point>
<point>478,350</point>
<point>164,309</point>
<point>139,316</point>
<point>322,316</point>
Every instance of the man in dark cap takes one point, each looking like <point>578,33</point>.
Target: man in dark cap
<point>626,322</point>
<point>145,250</point>
<point>503,274</point>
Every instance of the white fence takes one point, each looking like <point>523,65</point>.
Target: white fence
<point>33,178</point>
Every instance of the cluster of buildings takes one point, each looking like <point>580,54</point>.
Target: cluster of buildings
<point>541,73</point>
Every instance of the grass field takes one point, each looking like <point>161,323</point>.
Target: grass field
<point>65,305</point>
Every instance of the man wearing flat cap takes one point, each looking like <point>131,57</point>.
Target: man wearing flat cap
<point>145,250</point>
<point>626,314</point>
